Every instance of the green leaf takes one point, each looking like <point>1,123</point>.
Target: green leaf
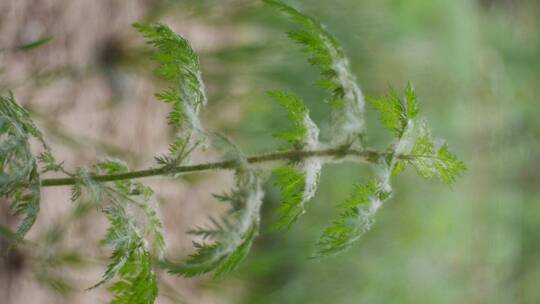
<point>19,174</point>
<point>429,161</point>
<point>325,53</point>
<point>292,184</point>
<point>142,197</point>
<point>135,232</point>
<point>414,143</point>
<point>26,202</point>
<point>19,177</point>
<point>123,239</point>
<point>296,112</point>
<point>396,113</point>
<point>298,184</point>
<point>179,65</point>
<point>356,217</point>
<point>139,282</point>
<point>130,260</point>
<point>393,112</point>
<point>412,105</point>
<point>449,168</point>
<point>295,187</point>
<point>399,166</point>
<point>85,184</point>
<point>232,237</point>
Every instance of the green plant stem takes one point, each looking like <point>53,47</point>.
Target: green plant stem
<point>291,155</point>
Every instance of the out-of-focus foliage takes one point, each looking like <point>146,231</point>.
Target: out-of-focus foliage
<point>475,67</point>
<point>231,237</point>
<point>19,177</point>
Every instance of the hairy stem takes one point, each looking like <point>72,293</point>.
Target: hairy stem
<point>291,155</point>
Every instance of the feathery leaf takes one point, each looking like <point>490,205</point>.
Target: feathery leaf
<point>346,98</point>
<point>139,282</point>
<point>356,217</point>
<point>19,176</point>
<point>292,184</point>
<point>414,140</point>
<point>297,182</point>
<point>130,260</point>
<point>430,161</point>
<point>232,237</point>
<point>305,132</point>
<point>179,65</point>
<point>142,197</point>
<point>122,202</point>
<point>393,112</point>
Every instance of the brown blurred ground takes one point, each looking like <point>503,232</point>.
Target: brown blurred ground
<point>92,102</point>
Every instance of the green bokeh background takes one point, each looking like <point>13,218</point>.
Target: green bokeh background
<point>476,69</point>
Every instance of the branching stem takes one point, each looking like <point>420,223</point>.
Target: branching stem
<point>291,155</point>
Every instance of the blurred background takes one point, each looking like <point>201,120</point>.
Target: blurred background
<point>475,65</point>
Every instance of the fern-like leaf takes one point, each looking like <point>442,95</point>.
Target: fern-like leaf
<point>130,260</point>
<point>356,217</point>
<point>429,160</point>
<point>142,197</point>
<point>298,181</point>
<point>129,235</point>
<point>179,65</point>
<point>19,176</point>
<point>414,144</point>
<point>232,237</point>
<point>305,132</point>
<point>139,282</point>
<point>297,114</point>
<point>298,185</point>
<point>449,167</point>
<point>292,184</point>
<point>26,202</point>
<point>346,98</point>
<point>395,113</point>
<point>87,186</point>
<point>123,238</point>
